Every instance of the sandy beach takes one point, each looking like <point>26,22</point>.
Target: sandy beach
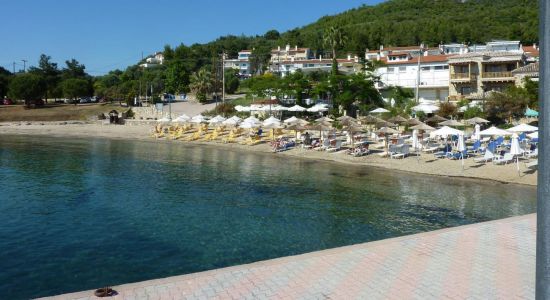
<point>425,164</point>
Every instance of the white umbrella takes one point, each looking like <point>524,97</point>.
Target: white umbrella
<point>165,119</point>
<point>279,108</point>
<point>241,108</point>
<point>198,119</point>
<point>317,108</point>
<point>236,118</point>
<point>251,118</point>
<point>534,135</point>
<point>250,124</point>
<point>271,120</point>
<point>494,131</point>
<point>291,120</point>
<point>426,108</point>
<point>477,129</point>
<point>461,147</point>
<point>230,122</point>
<point>297,108</point>
<point>515,149</point>
<point>216,119</point>
<point>523,128</point>
<point>379,111</point>
<point>445,131</point>
<point>182,118</point>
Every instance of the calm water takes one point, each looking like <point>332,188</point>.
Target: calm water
<point>81,214</point>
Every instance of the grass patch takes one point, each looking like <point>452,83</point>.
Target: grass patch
<point>56,112</point>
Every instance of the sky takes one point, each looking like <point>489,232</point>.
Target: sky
<point>105,35</point>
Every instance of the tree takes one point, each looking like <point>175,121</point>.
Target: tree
<point>74,88</point>
<point>259,58</point>
<point>295,84</point>
<point>201,84</point>
<point>503,107</point>
<point>231,82</point>
<point>49,71</point>
<point>27,87</point>
<point>335,39</point>
<point>74,69</point>
<point>272,35</point>
<point>177,78</point>
<point>447,109</point>
<point>4,83</point>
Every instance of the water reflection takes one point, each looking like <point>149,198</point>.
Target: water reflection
<point>155,209</point>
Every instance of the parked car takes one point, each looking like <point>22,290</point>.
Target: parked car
<point>7,101</point>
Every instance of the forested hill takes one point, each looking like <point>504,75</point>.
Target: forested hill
<point>397,23</point>
<point>409,22</point>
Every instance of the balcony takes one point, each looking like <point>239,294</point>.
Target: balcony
<point>497,76</point>
<point>463,77</point>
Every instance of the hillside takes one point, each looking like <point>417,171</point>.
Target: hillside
<point>410,22</point>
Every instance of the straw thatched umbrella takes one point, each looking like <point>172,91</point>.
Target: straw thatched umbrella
<point>397,120</point>
<point>451,123</point>
<point>352,128</point>
<point>346,118</point>
<point>386,124</point>
<point>324,119</point>
<point>435,119</point>
<point>296,128</point>
<point>413,122</point>
<point>386,131</point>
<point>322,126</point>
<point>477,120</point>
<point>370,119</point>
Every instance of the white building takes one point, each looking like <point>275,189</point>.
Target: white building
<point>153,60</point>
<point>401,69</point>
<point>241,64</point>
<point>347,65</point>
<point>287,55</point>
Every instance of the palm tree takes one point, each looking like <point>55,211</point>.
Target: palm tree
<point>201,84</point>
<point>334,38</point>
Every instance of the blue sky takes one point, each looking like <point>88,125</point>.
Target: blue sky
<point>105,35</point>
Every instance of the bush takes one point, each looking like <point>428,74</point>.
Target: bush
<point>472,112</point>
<point>447,109</point>
<point>223,109</point>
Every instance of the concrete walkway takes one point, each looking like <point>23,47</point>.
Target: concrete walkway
<point>492,260</point>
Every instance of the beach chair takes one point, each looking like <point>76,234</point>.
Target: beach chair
<point>459,155</point>
<point>446,151</point>
<point>532,165</point>
<point>487,157</point>
<point>323,146</point>
<point>532,154</point>
<point>507,158</point>
<point>475,148</point>
<point>195,136</point>
<point>337,146</point>
<point>430,148</point>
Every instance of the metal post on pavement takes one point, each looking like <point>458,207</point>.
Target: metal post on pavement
<point>543,187</point>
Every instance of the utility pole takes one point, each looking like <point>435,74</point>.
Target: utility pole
<point>24,65</point>
<point>223,77</point>
<point>416,92</point>
<point>542,290</point>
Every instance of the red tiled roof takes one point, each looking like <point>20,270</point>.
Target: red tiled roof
<point>317,61</point>
<point>531,51</point>
<point>413,60</point>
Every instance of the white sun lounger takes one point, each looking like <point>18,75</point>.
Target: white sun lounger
<point>336,147</point>
<point>507,158</point>
<point>533,154</point>
<point>486,158</point>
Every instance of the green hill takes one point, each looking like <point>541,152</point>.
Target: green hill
<point>410,22</point>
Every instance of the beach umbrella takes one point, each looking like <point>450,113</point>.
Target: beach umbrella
<point>370,119</point>
<point>422,126</point>
<point>346,118</point>
<point>294,120</point>
<point>250,124</point>
<point>251,118</point>
<point>181,119</point>
<point>515,149</point>
<point>271,120</point>
<point>461,147</point>
<point>163,120</point>
<point>317,108</point>
<point>297,108</point>
<point>324,119</point>
<point>492,131</point>
<point>198,119</point>
<point>425,108</point>
<point>322,126</point>
<point>445,131</point>
<point>523,128</point>
<point>435,119</point>
<point>230,122</point>
<point>217,119</point>
<point>241,108</point>
<point>279,108</point>
<point>531,113</point>
<point>477,130</point>
<point>296,128</point>
<point>413,122</point>
<point>477,120</point>
<point>379,110</point>
<point>534,135</point>
<point>351,129</point>
<point>236,118</point>
<point>452,123</point>
<point>397,120</point>
<point>386,131</point>
<point>290,120</point>
<point>385,124</point>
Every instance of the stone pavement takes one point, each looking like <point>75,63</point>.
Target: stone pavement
<point>492,260</point>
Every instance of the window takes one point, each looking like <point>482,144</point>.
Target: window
<point>465,90</point>
<point>391,58</point>
<point>402,69</point>
<point>445,67</point>
<point>425,69</point>
<point>437,68</point>
<point>391,70</point>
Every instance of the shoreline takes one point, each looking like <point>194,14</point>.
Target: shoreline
<point>426,164</point>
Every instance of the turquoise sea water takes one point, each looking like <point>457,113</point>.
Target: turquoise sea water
<point>81,214</point>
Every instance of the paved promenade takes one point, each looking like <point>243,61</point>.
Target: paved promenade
<point>493,260</point>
